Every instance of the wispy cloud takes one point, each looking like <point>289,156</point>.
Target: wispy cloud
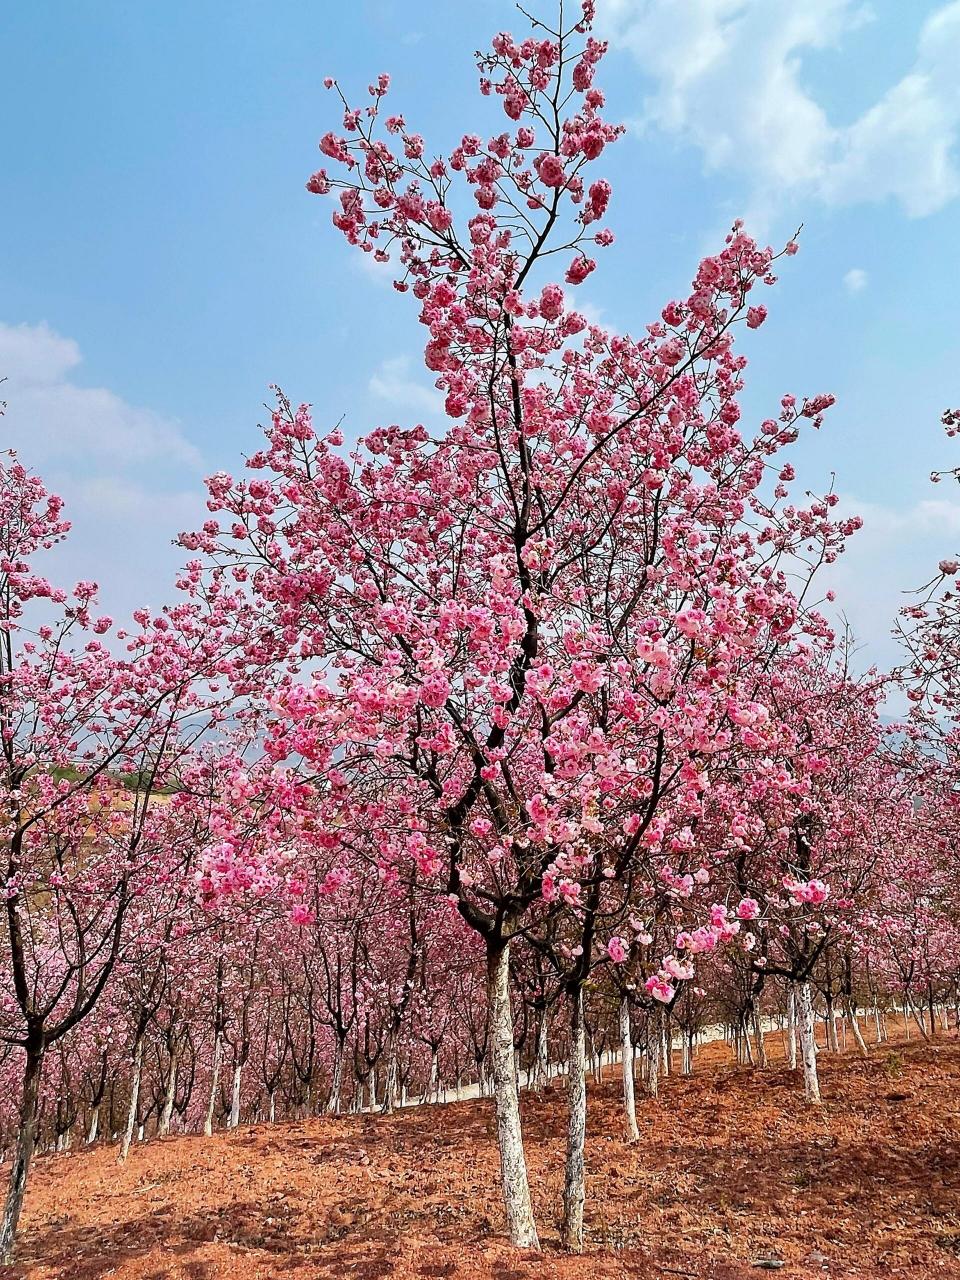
<point>895,553</point>
<point>394,383</point>
<point>53,417</point>
<point>129,476</point>
<point>727,77</point>
<point>855,280</point>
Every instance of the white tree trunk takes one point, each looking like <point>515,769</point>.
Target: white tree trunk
<point>167,1112</point>
<point>336,1083</point>
<point>917,1017</point>
<point>746,1042</point>
<point>792,1026</point>
<point>214,1085</point>
<point>542,1063</point>
<point>22,1153</point>
<point>574,1190</point>
<point>855,1028</point>
<point>390,1084</point>
<point>94,1124</point>
<point>808,1043</point>
<point>433,1088</point>
<point>372,1088</point>
<point>626,1062</point>
<point>235,1096</point>
<point>134,1099</point>
<point>513,1165</point>
<point>686,1054</point>
<point>654,1044</point>
<point>666,1045</point>
<point>597,1066</point>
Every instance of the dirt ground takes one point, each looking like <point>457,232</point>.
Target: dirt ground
<point>732,1172</point>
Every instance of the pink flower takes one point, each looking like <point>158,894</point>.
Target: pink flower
<point>617,950</point>
<point>550,169</point>
<point>756,317</point>
<point>439,217</point>
<point>579,269</point>
<point>748,909</point>
<point>660,988</point>
<point>551,302</point>
<point>571,892</point>
<point>817,892</point>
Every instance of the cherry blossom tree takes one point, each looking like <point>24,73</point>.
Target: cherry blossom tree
<point>529,634</point>
<point>90,744</point>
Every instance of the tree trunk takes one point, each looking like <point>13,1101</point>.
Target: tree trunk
<point>917,1017</point>
<point>235,1096</point>
<point>134,1099</point>
<point>164,1126</point>
<point>336,1083</point>
<point>746,1042</point>
<point>855,1028</point>
<point>513,1165</point>
<point>372,1088</point>
<point>597,1062</point>
<point>626,1054</point>
<point>23,1152</point>
<point>272,1105</point>
<point>686,1054</point>
<point>390,1083</point>
<point>654,1042</point>
<point>792,1026</point>
<point>666,1044</point>
<point>94,1123</point>
<point>214,1085</point>
<point>433,1089</point>
<point>574,1180</point>
<point>543,1050</point>
<point>808,1043</point>
<point>758,1035</point>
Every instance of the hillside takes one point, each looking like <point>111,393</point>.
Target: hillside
<point>731,1170</point>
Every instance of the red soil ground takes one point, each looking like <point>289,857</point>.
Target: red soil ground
<point>731,1170</point>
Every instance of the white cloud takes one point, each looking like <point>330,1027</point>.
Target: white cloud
<point>894,554</point>
<point>119,498</point>
<point>33,355</point>
<point>129,477</point>
<point>727,76</point>
<point>53,417</point>
<point>393,382</point>
<point>855,281</point>
<point>381,273</point>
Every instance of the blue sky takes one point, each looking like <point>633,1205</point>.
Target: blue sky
<point>162,264</point>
